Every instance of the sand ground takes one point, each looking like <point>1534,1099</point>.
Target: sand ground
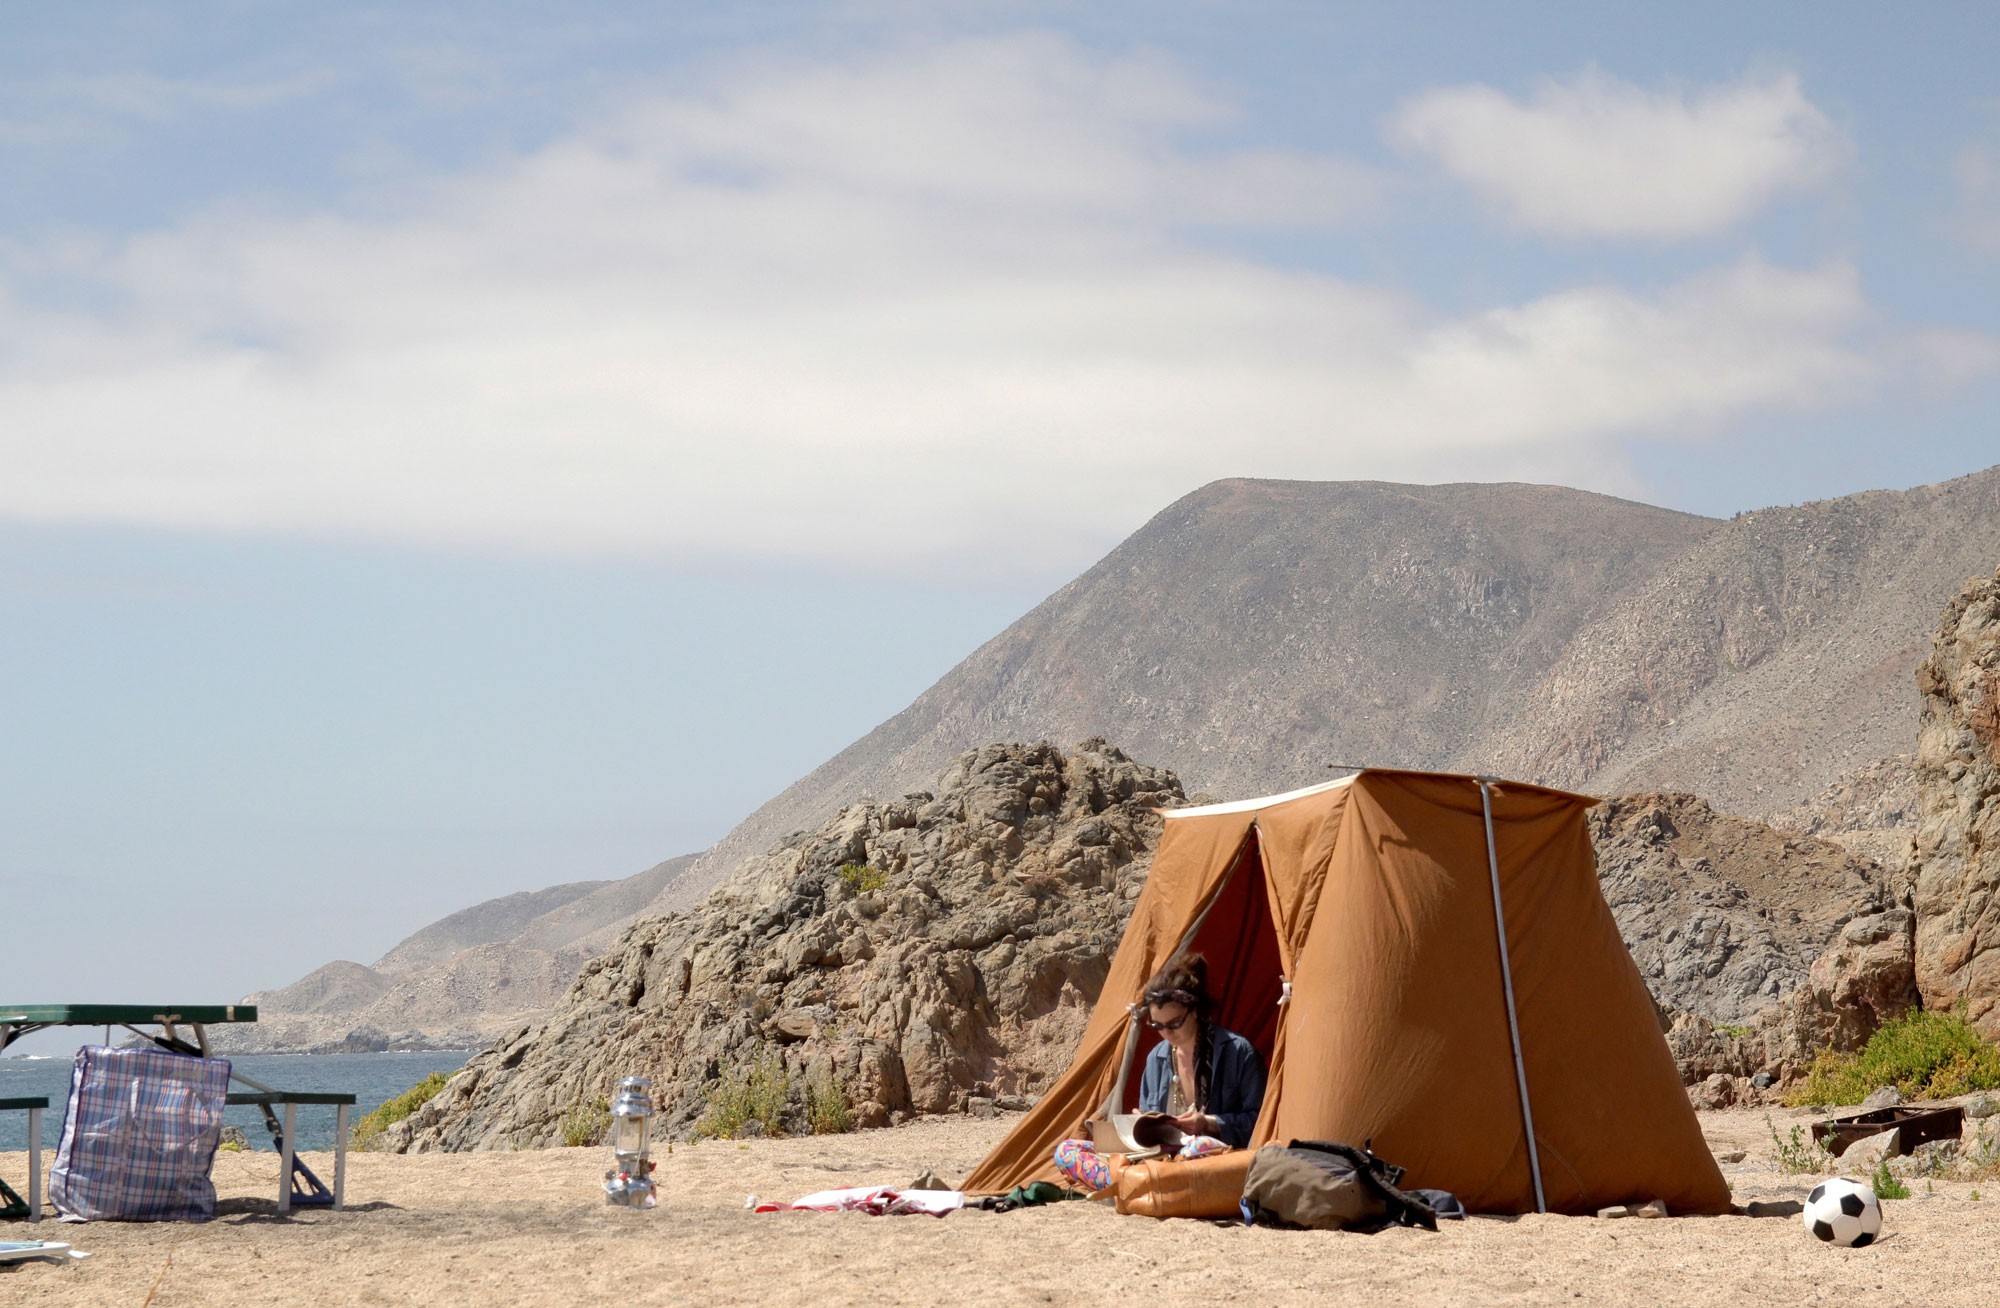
<point>531,1228</point>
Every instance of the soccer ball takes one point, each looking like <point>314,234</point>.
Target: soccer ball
<point>1843,1211</point>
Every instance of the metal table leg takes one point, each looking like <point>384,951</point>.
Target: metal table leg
<point>285,1168</point>
<point>339,1156</point>
<point>34,1164</point>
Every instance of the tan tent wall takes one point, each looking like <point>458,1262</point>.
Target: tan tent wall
<point>1397,1029</point>
<point>1399,996</point>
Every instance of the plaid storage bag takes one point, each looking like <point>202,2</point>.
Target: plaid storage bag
<point>139,1136</point>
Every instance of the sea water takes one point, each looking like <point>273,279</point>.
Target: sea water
<point>372,1079</point>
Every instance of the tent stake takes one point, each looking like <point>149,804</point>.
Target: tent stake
<point>1507,983</point>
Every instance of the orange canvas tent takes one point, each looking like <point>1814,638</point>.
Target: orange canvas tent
<point>1426,962</point>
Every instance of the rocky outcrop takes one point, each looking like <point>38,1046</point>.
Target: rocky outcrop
<point>1955,869</point>
<point>913,954</point>
<point>1762,946</point>
<point>1724,916</point>
<point>1866,977</point>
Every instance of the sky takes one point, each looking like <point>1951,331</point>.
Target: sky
<point>455,449</point>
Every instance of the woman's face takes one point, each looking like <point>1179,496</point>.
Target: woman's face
<point>1174,1022</point>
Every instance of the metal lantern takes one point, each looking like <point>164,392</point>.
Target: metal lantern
<point>629,1183</point>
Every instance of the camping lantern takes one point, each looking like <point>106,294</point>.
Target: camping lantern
<point>629,1183</point>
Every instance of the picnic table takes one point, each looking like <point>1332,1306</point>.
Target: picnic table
<point>164,1025</point>
<point>22,1019</point>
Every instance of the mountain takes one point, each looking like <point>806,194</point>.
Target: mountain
<point>1256,632</point>
<point>487,923</point>
<point>459,982</point>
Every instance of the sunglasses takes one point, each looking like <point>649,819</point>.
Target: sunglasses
<point>1174,1025</point>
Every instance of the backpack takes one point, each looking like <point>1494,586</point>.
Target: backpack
<point>1324,1186</point>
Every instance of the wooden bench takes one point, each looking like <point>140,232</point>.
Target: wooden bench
<point>11,1204</point>
<point>296,1183</point>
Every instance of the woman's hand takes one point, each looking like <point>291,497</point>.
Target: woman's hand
<point>1195,1123</point>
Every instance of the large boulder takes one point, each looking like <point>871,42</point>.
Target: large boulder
<point>1955,868</point>
<point>1865,978</point>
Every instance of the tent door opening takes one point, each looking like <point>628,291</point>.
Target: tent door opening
<point>1238,936</point>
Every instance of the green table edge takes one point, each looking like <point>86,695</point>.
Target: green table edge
<point>125,1014</point>
<point>289,1097</point>
<point>41,1101</point>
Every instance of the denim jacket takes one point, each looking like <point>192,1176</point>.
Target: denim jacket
<point>1235,1085</point>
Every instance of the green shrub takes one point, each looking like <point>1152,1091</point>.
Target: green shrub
<point>1885,1185</point>
<point>584,1125</point>
<point>759,1093</point>
<point>862,879</point>
<point>1925,1055</point>
<point>1798,1155</point>
<point>370,1127</point>
<point>827,1111</point>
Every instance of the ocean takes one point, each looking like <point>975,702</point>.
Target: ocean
<point>371,1078</point>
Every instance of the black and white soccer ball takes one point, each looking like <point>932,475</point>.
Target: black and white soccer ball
<point>1843,1211</point>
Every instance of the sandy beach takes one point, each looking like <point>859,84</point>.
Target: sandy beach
<point>531,1228</point>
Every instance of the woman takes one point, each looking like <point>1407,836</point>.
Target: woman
<point>1209,1080</point>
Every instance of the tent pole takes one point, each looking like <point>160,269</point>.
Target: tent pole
<point>1507,983</point>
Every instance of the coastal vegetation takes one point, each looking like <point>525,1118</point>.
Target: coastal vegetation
<point>748,1095</point>
<point>828,1111</point>
<point>586,1124</point>
<point>1925,1054</point>
<point>759,1099</point>
<point>371,1126</point>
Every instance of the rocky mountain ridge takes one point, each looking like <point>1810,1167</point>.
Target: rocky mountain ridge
<point>1257,631</point>
<point>458,983</point>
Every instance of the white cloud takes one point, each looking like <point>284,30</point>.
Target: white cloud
<point>934,311</point>
<point>1600,157</point>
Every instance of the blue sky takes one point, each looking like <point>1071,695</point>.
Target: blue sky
<point>453,449</point>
